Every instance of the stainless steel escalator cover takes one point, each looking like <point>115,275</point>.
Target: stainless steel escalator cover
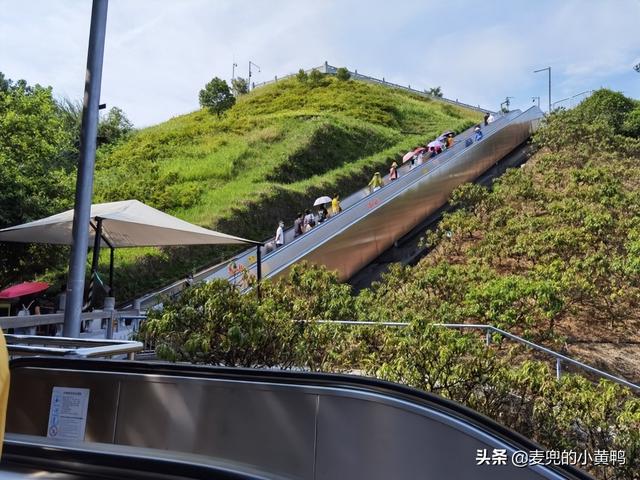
<point>284,424</point>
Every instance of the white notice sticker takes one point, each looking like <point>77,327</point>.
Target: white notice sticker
<point>68,413</point>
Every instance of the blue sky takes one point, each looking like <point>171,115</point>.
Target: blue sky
<point>159,53</point>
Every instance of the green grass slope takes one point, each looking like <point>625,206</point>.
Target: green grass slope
<point>270,155</point>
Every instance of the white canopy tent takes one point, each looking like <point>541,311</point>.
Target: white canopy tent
<point>128,223</point>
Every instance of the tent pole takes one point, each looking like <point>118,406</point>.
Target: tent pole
<point>84,180</point>
<point>258,269</point>
<point>95,260</point>
<point>111,259</point>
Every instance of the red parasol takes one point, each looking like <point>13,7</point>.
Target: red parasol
<point>25,288</point>
<point>408,156</point>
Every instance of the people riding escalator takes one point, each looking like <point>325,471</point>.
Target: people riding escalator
<point>393,171</point>
<point>376,183</point>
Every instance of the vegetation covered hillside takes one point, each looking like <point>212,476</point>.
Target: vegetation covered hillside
<point>551,253</point>
<point>269,156</point>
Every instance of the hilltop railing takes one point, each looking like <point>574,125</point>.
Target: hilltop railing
<point>331,70</point>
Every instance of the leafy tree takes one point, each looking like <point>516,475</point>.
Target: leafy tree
<point>240,86</point>
<point>435,91</point>
<point>36,180</point>
<point>4,83</point>
<point>315,77</point>
<point>113,127</point>
<point>302,76</point>
<point>216,96</point>
<point>343,74</point>
<point>631,124</point>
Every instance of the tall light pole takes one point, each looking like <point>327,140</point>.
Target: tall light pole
<point>549,70</point>
<point>504,106</point>
<point>233,71</point>
<point>251,63</point>
<point>84,179</point>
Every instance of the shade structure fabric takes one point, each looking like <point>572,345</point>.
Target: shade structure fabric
<point>127,223</point>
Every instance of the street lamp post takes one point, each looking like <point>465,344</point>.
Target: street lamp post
<point>251,63</point>
<point>504,106</point>
<point>84,179</point>
<point>549,70</point>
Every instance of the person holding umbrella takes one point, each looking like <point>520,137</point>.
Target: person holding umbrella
<point>323,214</point>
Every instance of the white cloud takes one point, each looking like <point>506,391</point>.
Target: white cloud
<point>159,53</point>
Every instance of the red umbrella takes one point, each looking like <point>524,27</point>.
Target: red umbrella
<point>25,288</point>
<point>408,156</point>
<point>419,149</point>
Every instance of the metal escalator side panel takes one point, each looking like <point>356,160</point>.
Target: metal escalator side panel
<point>289,424</point>
<point>397,208</point>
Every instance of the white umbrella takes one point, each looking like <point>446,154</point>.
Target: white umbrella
<point>322,201</point>
<point>435,144</point>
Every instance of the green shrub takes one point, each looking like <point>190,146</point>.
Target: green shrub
<point>343,74</point>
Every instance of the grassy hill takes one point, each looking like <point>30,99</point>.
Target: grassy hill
<point>551,253</point>
<point>269,156</point>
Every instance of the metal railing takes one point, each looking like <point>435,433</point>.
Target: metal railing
<point>113,318</point>
<point>331,70</point>
<point>489,330</point>
<point>21,345</point>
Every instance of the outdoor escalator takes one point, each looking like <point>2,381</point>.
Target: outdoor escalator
<point>182,421</point>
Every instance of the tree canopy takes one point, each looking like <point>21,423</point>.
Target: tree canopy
<point>216,96</point>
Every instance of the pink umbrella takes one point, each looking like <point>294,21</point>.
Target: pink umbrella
<point>25,288</point>
<point>408,156</point>
<point>435,144</point>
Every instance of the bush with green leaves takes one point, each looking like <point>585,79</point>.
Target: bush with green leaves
<point>343,74</point>
<point>240,86</point>
<point>302,76</point>
<point>315,77</point>
<point>215,323</point>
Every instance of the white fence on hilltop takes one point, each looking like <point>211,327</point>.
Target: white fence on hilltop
<point>331,70</point>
